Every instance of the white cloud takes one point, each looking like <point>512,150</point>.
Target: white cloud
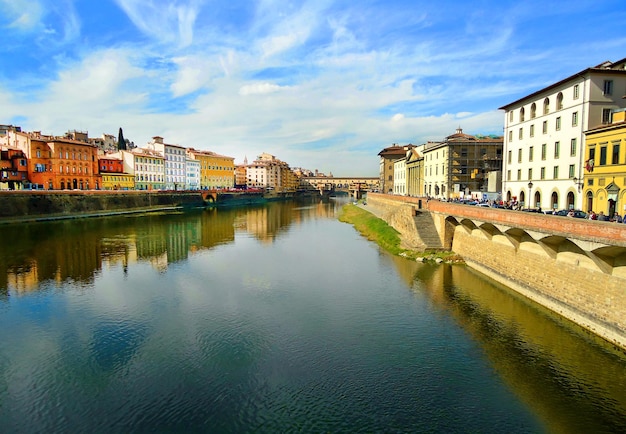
<point>168,23</point>
<point>259,89</point>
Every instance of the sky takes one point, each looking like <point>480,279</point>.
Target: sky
<point>320,84</point>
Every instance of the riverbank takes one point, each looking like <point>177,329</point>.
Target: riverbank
<point>32,206</point>
<point>369,222</point>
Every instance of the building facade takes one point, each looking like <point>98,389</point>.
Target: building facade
<point>459,166</point>
<point>174,157</point>
<point>604,178</point>
<point>386,170</point>
<point>544,135</point>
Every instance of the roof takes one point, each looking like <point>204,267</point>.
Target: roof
<point>604,68</point>
<point>396,150</point>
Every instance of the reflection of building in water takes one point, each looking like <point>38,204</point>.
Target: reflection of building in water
<point>119,250</point>
<point>540,356</point>
<point>266,222</point>
<point>23,279</point>
<point>217,227</point>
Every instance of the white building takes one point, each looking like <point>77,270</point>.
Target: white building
<point>175,157</point>
<point>399,176</point>
<point>544,135</point>
<point>192,173</point>
<point>148,167</point>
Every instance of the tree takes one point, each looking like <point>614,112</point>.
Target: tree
<point>121,142</point>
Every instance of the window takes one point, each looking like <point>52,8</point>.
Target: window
<point>602,156</point>
<point>545,127</point>
<point>519,155</point>
<point>510,156</point>
<point>555,173</point>
<point>511,136</point>
<point>558,123</point>
<point>607,89</point>
<point>607,116</point>
<point>511,116</point>
<point>521,114</point>
<point>559,101</point>
<point>572,148</point>
<point>592,154</point>
<point>543,173</point>
<point>576,91</point>
<point>521,133</point>
<point>519,174</point>
<point>532,130</point>
<point>557,149</point>
<point>530,173</point>
<point>615,157</point>
<point>546,106</point>
<point>575,119</point>
<point>530,154</point>
<point>508,175</point>
<point>544,148</point>
<point>571,170</point>
<point>533,111</point>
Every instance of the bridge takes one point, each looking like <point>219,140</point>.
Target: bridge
<point>355,186</point>
<point>575,267</point>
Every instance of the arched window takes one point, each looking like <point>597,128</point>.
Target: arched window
<point>546,106</point>
<point>508,196</point>
<point>589,201</point>
<point>570,200</point>
<point>521,114</point>
<point>554,200</point>
<point>537,199</point>
<point>559,101</point>
<point>522,198</point>
<point>533,110</point>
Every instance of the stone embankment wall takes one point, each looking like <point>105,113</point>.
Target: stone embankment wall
<point>400,216</point>
<point>583,286</point>
<point>35,205</point>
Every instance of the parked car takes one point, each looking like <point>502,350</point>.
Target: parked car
<point>577,213</point>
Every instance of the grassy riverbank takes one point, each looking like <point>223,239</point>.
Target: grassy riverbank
<point>377,230</point>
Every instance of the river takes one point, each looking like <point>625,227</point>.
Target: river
<point>274,319</point>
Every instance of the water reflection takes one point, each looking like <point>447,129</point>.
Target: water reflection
<point>76,250</point>
<point>573,380</point>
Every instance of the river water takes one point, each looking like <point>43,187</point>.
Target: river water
<point>275,319</point>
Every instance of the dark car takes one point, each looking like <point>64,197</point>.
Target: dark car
<point>577,213</point>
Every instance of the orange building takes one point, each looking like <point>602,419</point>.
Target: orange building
<point>60,164</point>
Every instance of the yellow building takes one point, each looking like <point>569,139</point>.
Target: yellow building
<point>605,167</point>
<point>216,171</point>
<point>118,181</point>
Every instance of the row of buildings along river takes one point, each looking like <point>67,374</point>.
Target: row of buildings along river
<point>564,147</point>
<point>75,161</point>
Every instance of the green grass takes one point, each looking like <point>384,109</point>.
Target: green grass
<point>372,228</point>
<point>377,230</point>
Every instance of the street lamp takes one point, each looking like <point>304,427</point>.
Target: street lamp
<point>579,183</point>
<point>530,188</point>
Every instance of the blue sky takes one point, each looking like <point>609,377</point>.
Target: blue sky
<point>320,84</point>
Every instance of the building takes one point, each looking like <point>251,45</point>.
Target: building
<point>175,158</point>
<point>192,173</point>
<point>460,165</point>
<point>387,158</point>
<point>216,171</point>
<point>147,165</point>
<point>604,176</point>
<point>112,173</point>
<point>399,176</point>
<point>414,172</point>
<point>544,135</point>
<point>270,173</point>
